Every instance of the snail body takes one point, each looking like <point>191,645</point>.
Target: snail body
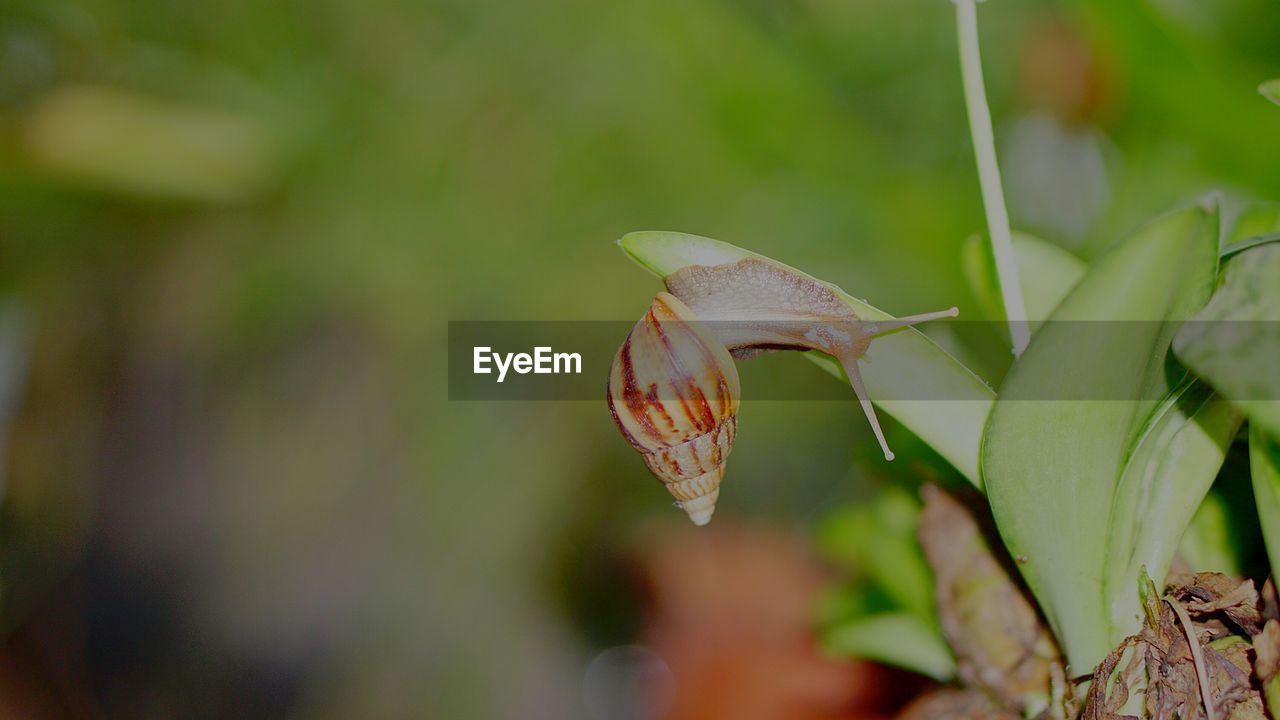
<point>674,394</point>
<point>673,388</point>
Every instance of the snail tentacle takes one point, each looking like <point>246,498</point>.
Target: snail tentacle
<point>879,327</point>
<point>850,365</point>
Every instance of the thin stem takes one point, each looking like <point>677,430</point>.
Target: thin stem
<point>984,150</point>
<point>1197,658</point>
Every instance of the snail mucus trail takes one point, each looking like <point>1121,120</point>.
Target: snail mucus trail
<point>673,387</point>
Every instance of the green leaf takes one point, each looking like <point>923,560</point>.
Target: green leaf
<point>1054,467</point>
<point>904,364</point>
<point>879,540</point>
<point>1271,90</point>
<point>1253,242</point>
<point>1164,481</point>
<point>1264,464</point>
<point>899,639</point>
<point>1046,273</point>
<point>1209,544</point>
<point>1235,340</point>
<point>1253,222</point>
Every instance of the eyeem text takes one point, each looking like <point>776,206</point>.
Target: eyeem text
<point>543,361</point>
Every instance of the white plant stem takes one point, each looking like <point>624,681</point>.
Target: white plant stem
<point>984,150</point>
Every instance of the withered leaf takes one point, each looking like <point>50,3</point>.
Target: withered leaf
<point>1171,683</point>
<point>1266,666</point>
<point>1110,692</point>
<point>1001,645</point>
<point>1211,593</point>
<point>955,705</point>
<point>1267,646</point>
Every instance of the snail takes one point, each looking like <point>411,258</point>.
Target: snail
<point>673,392</point>
<point>673,386</point>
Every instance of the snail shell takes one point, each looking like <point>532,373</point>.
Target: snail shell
<point>674,394</point>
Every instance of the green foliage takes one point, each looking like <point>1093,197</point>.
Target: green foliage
<point>1070,480</point>
<point>1253,223</point>
<point>132,143</point>
<point>888,613</point>
<point>1209,545</point>
<point>467,159</point>
<point>1046,273</point>
<point>1234,345</point>
<point>1236,339</point>
<point>896,638</point>
<point>1264,456</point>
<point>903,364</point>
<point>878,540</point>
<point>1165,478</point>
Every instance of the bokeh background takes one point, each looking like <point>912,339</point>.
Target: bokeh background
<point>231,235</point>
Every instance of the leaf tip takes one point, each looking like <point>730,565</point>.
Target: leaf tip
<point>626,241</point>
<point>629,245</point>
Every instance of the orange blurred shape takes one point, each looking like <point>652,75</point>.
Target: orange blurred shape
<point>732,613</point>
<point>1062,73</point>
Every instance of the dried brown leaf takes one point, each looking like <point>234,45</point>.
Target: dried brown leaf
<point>1001,645</point>
<point>955,705</point>
<point>1266,664</point>
<point>1267,646</point>
<point>1214,593</point>
<point>1109,692</point>
<point>1172,684</point>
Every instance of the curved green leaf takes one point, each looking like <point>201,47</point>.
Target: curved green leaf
<point>1054,467</point>
<point>1253,221</point>
<point>1264,466</point>
<point>899,639</point>
<point>879,539</point>
<point>904,364</point>
<point>1046,273</point>
<point>1235,341</point>
<point>1170,470</point>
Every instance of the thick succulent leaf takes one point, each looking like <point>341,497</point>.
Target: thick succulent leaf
<point>1264,465</point>
<point>1052,467</point>
<point>1170,470</point>
<point>896,638</point>
<point>1235,341</point>
<point>904,364</point>
<point>1046,273</point>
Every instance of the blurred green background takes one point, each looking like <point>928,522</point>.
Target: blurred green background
<point>231,235</point>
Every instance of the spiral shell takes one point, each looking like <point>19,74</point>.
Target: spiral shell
<point>673,391</point>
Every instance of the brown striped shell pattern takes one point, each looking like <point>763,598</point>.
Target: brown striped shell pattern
<point>673,391</point>
<point>673,387</point>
